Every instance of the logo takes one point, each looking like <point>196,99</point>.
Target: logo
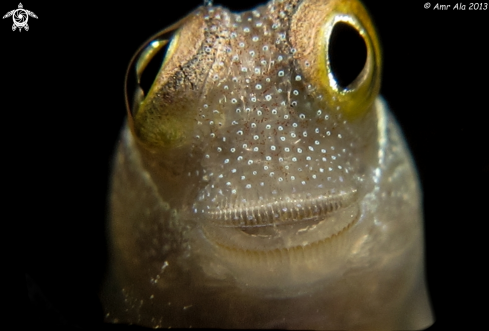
<point>20,17</point>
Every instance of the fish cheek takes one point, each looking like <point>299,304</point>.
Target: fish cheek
<point>142,250</point>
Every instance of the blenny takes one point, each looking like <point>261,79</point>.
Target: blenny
<point>261,182</point>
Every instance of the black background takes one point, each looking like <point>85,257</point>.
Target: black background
<point>62,109</point>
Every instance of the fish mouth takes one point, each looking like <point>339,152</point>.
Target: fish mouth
<point>282,227</point>
<point>292,210</point>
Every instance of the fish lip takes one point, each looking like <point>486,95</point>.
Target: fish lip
<point>284,237</point>
<point>292,210</point>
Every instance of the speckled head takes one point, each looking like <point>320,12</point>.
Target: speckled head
<point>246,126</point>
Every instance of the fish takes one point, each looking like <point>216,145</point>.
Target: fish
<point>261,181</point>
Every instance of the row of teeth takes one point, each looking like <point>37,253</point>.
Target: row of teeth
<point>280,212</point>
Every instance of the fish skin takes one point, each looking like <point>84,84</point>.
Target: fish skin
<point>189,250</point>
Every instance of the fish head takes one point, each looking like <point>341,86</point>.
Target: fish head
<point>252,132</point>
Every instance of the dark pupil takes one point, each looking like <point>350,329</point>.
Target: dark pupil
<point>347,53</point>
<point>152,69</point>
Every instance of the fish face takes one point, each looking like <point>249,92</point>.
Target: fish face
<point>261,182</point>
<point>275,153</point>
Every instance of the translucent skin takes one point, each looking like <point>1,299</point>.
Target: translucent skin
<point>249,191</point>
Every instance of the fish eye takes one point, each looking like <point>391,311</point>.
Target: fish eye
<point>351,59</point>
<point>145,66</point>
<point>343,52</point>
<point>156,86</point>
<point>347,52</point>
<point>150,62</point>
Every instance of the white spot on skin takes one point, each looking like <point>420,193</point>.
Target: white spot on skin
<point>264,122</point>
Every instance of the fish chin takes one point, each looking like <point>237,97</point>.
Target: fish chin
<point>290,254</point>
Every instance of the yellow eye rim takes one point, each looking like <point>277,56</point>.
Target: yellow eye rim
<point>357,97</point>
<point>311,28</point>
<point>140,60</point>
<point>151,118</point>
